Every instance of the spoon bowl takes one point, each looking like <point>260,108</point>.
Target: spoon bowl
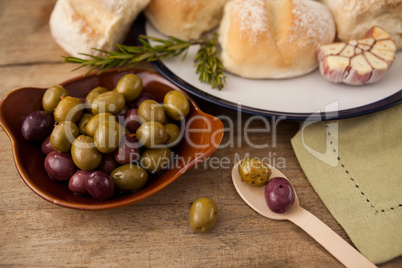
<point>254,196</point>
<point>339,248</point>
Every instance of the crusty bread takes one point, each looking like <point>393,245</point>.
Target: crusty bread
<point>184,19</point>
<point>78,26</point>
<point>354,18</point>
<point>273,39</point>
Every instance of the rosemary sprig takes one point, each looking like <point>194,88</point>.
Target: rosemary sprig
<point>209,65</point>
<point>207,62</point>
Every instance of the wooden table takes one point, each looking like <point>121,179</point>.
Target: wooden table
<point>154,232</point>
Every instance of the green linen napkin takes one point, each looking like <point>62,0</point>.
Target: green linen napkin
<point>355,166</point>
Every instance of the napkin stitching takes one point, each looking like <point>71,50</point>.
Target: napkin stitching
<point>376,211</point>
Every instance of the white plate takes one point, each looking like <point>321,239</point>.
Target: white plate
<point>296,99</point>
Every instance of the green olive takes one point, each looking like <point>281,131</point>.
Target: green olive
<point>130,86</point>
<point>176,105</point>
<point>52,97</point>
<point>95,121</point>
<point>68,109</point>
<point>151,134</point>
<point>108,136</point>
<point>150,110</point>
<point>63,135</point>
<point>129,178</point>
<point>254,172</point>
<point>84,153</point>
<point>156,160</point>
<point>83,123</point>
<point>108,102</point>
<point>173,133</point>
<point>93,94</point>
<point>203,215</point>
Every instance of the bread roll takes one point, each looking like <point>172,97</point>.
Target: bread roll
<point>273,39</point>
<point>354,18</point>
<point>78,26</point>
<point>184,19</point>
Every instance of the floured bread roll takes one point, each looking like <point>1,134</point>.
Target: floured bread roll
<point>78,26</point>
<point>273,39</point>
<point>184,19</point>
<point>354,18</point>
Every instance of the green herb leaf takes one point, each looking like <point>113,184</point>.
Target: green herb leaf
<point>207,62</point>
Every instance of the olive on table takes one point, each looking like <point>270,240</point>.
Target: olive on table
<point>279,195</point>
<point>108,136</point>
<point>68,109</point>
<point>93,94</point>
<point>150,110</point>
<point>99,185</point>
<point>151,134</point>
<point>36,126</point>
<point>203,215</point>
<point>59,166</point>
<point>63,136</point>
<point>142,97</point>
<point>156,160</point>
<point>130,86</point>
<point>46,147</point>
<point>82,124</point>
<point>52,97</point>
<point>173,133</point>
<point>84,153</point>
<point>77,182</point>
<point>129,178</point>
<point>132,120</point>
<point>128,151</point>
<point>95,121</point>
<point>254,172</point>
<point>108,102</point>
<point>176,105</point>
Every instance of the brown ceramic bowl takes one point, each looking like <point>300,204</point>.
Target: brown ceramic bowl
<point>29,159</point>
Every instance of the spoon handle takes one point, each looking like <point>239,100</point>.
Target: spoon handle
<point>331,241</point>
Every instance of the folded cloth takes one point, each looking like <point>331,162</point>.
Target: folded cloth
<point>355,166</point>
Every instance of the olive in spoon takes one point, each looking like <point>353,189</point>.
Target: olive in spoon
<point>339,248</point>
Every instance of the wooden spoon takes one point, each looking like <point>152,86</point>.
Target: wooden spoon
<point>339,248</point>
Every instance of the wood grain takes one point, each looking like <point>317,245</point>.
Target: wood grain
<point>154,232</point>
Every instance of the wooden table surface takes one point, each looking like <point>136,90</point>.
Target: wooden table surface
<point>154,232</point>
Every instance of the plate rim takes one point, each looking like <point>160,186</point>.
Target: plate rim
<point>139,28</point>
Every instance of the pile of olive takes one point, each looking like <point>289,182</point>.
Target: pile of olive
<point>111,139</point>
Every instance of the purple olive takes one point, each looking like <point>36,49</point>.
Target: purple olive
<point>279,195</point>
<point>132,120</point>
<point>82,99</point>
<point>77,182</point>
<point>59,166</point>
<point>108,163</point>
<point>122,113</point>
<point>46,147</point>
<point>128,151</point>
<point>37,126</point>
<point>99,185</point>
<point>142,97</point>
